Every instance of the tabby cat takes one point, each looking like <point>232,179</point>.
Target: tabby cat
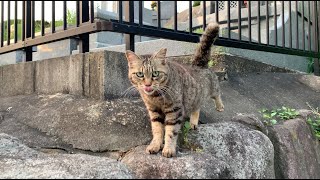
<point>172,92</point>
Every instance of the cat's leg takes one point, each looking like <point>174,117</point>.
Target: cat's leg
<point>157,127</point>
<point>216,92</point>
<point>219,103</point>
<point>194,119</point>
<point>173,121</point>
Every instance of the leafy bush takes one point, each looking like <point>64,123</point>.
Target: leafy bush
<point>314,121</point>
<point>196,3</point>
<point>271,117</point>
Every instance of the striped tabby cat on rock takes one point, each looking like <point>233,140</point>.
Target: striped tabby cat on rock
<point>172,92</point>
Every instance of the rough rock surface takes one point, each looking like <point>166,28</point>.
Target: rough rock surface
<point>19,161</point>
<point>297,151</point>
<point>223,150</point>
<point>86,124</point>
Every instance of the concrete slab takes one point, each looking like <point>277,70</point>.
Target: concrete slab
<point>17,79</point>
<point>116,79</point>
<point>52,80</point>
<point>75,73</point>
<point>94,75</point>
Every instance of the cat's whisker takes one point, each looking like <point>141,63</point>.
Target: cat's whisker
<point>167,91</point>
<point>129,90</point>
<point>170,90</point>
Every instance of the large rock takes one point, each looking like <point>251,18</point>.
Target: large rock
<point>86,124</point>
<point>223,150</point>
<point>297,151</point>
<point>190,165</point>
<point>19,161</point>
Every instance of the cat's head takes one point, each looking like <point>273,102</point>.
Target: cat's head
<point>148,74</point>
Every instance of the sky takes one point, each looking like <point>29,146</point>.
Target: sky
<point>181,5</point>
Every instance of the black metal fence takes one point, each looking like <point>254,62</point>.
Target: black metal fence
<point>237,29</point>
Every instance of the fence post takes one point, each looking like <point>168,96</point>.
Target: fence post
<point>28,33</point>
<point>84,17</point>
<point>129,16</point>
<point>316,37</point>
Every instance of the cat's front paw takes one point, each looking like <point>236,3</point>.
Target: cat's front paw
<point>154,148</point>
<point>194,126</point>
<point>169,151</point>
<point>220,108</point>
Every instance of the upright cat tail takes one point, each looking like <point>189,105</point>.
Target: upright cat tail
<point>202,54</point>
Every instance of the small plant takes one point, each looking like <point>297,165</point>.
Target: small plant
<point>153,5</point>
<point>272,117</point>
<point>196,3</point>
<point>185,130</point>
<point>314,121</point>
<point>186,144</point>
<point>310,68</point>
<point>198,30</point>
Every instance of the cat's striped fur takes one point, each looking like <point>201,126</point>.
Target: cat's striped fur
<point>173,91</point>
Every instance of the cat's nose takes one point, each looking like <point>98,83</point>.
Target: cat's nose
<point>147,84</point>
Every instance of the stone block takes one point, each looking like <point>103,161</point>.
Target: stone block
<point>116,75</point>
<point>52,75</point>
<point>76,74</point>
<point>94,75</point>
<point>17,79</point>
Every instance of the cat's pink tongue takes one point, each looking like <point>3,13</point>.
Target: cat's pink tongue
<point>148,89</point>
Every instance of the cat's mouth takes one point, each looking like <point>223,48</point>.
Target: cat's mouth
<point>148,90</point>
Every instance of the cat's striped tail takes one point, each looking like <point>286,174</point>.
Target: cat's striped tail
<point>202,54</point>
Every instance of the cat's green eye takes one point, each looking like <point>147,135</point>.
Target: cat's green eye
<point>139,74</point>
<point>155,73</point>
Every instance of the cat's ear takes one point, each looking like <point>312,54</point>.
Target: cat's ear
<point>131,56</point>
<point>161,54</point>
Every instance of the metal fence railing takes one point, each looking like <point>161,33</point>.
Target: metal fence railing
<point>287,27</point>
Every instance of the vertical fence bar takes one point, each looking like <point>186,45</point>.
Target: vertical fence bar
<point>32,19</point>
<point>303,29</point>
<point>120,12</point>
<point>217,11</point>
<point>84,17</point>
<point>297,27</point>
<point>77,13</point>
<point>175,14</point>
<point>190,16</point>
<point>267,22</point>
<point>140,14</point>
<point>129,12</point>
<point>15,21</point>
<point>23,21</point>
<point>92,11</point>
<point>8,24</point>
<point>283,25</point>
<point>159,13</point>
<point>228,18</point>
<point>53,20</point>
<point>64,15</point>
<point>2,25</point>
<point>239,20</point>
<point>275,24</point>
<point>28,31</point>
<point>42,19</point>
<point>316,37</point>
<point>259,24</point>
<point>204,15</point>
<point>290,26</point>
<point>249,21</point>
<point>309,27</point>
